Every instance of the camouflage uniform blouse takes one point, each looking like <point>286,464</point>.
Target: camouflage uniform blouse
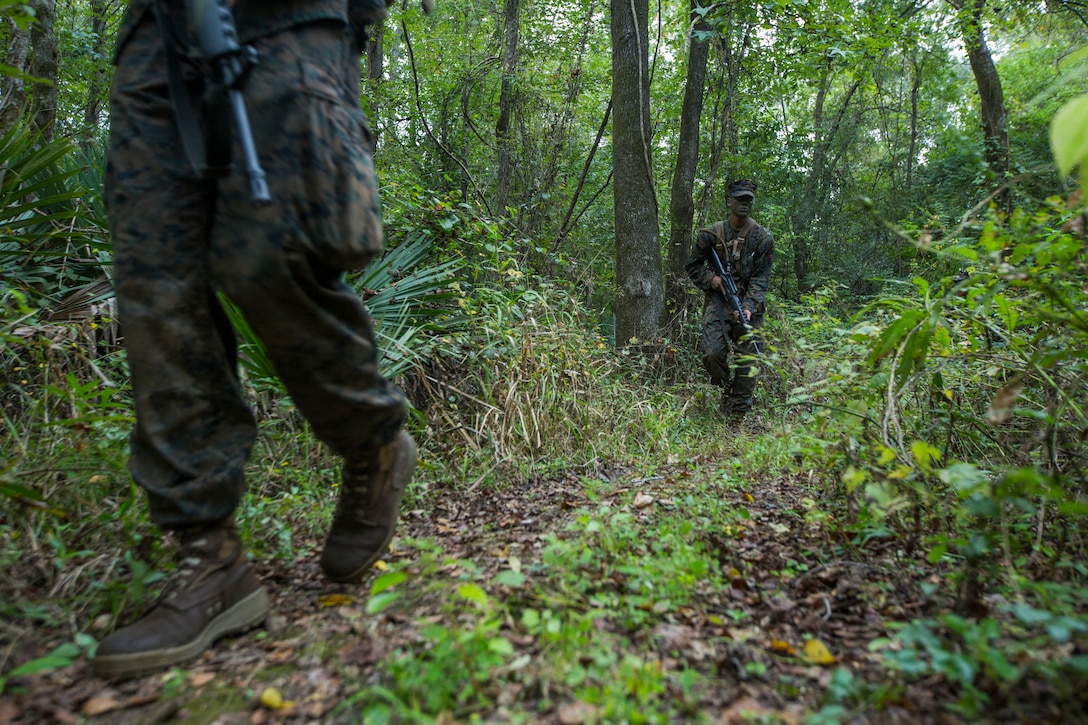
<point>752,271</point>
<point>258,18</point>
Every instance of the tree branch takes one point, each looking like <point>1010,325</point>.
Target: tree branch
<point>427,126</point>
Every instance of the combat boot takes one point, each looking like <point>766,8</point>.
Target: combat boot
<point>366,514</point>
<point>213,593</point>
<point>723,402</point>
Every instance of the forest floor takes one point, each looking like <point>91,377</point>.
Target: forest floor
<point>765,646</point>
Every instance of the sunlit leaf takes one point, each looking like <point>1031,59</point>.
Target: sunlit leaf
<point>1069,135</point>
<point>853,477</point>
<point>381,601</point>
<point>335,600</point>
<point>817,653</point>
<point>386,581</point>
<point>272,699</point>
<point>500,645</point>
<point>925,455</point>
<point>472,593</point>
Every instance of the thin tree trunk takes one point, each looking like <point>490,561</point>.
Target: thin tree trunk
<point>503,137</point>
<point>43,65</point>
<point>13,87</point>
<point>804,219</point>
<point>568,222</point>
<point>991,98</point>
<point>726,140</point>
<point>98,83</point>
<point>681,202</point>
<point>375,71</point>
<point>916,80</point>
<point>912,149</point>
<point>559,135</point>
<point>640,296</point>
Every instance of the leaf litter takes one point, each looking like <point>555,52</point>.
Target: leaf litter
<point>769,642</point>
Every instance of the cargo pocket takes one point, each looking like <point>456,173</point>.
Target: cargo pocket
<point>340,213</point>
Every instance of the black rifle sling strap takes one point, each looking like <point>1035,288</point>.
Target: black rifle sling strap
<point>205,160</point>
<point>738,242</point>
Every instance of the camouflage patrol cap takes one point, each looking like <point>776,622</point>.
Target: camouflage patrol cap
<point>742,187</point>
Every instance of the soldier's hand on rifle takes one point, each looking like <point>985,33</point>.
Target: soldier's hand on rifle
<point>717,285</point>
<point>747,316</point>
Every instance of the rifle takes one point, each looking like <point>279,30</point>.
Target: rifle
<point>227,64</point>
<point>216,37</point>
<point>730,285</point>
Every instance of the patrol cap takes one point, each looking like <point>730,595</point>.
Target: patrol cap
<point>742,187</point>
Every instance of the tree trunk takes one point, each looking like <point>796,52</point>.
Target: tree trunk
<point>43,65</point>
<point>13,87</point>
<point>375,70</point>
<point>681,202</point>
<point>98,85</point>
<point>503,137</point>
<point>725,141</point>
<point>559,136</point>
<point>805,218</point>
<point>916,80</point>
<point>639,298</point>
<point>991,97</point>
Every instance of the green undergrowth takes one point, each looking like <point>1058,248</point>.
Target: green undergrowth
<point>941,428</point>
<point>576,626</point>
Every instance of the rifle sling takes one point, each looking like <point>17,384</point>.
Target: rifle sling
<point>738,241</point>
<point>206,161</point>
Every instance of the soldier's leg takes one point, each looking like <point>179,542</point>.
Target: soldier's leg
<point>283,266</point>
<point>715,351</point>
<point>193,430</point>
<point>747,368</point>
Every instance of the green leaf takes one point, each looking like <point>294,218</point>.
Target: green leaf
<point>925,455</point>
<point>380,602</point>
<point>500,645</point>
<point>62,656</point>
<point>530,618</point>
<point>891,336</point>
<point>853,477</point>
<point>1069,135</point>
<point>510,578</point>
<point>17,490</point>
<point>966,478</point>
<point>472,593</point>
<point>965,252</point>
<point>1029,615</point>
<point>386,581</point>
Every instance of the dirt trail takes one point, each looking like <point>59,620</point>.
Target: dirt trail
<point>320,644</point>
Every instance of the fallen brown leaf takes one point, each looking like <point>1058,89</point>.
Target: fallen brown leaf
<point>576,713</point>
<point>202,678</point>
<point>98,705</point>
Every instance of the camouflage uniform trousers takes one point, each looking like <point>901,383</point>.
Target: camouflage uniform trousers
<point>738,386</point>
<point>179,239</point>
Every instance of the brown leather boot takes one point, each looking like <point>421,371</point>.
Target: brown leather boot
<point>366,514</point>
<point>213,593</point>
